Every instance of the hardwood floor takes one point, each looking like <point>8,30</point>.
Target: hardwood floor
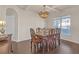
<point>66,47</point>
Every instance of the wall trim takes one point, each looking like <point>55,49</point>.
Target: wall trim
<point>61,39</point>
<point>71,41</point>
<point>21,40</point>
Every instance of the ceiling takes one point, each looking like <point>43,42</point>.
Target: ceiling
<point>37,8</point>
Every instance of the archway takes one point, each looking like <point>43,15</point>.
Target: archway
<point>12,23</point>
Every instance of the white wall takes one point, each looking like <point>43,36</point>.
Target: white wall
<point>10,26</point>
<point>26,19</point>
<point>74,13</point>
<point>4,17</point>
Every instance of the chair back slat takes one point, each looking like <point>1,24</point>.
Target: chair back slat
<point>32,32</point>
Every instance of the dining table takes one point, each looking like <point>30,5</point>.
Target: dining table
<point>49,39</point>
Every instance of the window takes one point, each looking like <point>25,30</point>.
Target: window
<point>63,23</point>
<point>56,23</point>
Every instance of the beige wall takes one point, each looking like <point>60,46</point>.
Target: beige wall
<point>26,20</point>
<point>73,12</point>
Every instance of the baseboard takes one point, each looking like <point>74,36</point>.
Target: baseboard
<point>62,39</point>
<point>22,40</point>
<point>76,42</point>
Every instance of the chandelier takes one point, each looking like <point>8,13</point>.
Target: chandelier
<point>43,13</point>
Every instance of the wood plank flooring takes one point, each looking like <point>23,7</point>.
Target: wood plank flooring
<point>66,47</point>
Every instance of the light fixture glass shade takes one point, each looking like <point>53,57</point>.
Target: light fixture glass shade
<point>43,13</point>
<point>2,25</point>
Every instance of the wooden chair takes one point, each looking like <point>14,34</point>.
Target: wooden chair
<point>38,29</point>
<point>58,35</point>
<point>51,42</point>
<point>35,40</point>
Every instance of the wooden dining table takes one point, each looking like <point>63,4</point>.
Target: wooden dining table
<point>48,39</point>
<point>44,33</point>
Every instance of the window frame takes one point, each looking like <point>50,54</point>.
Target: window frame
<point>60,19</point>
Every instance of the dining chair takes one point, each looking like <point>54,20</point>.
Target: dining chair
<point>53,36</point>
<point>32,33</point>
<point>38,29</point>
<point>58,35</point>
<point>35,40</point>
<point>51,42</point>
<point>43,39</point>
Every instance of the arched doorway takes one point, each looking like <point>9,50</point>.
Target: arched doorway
<point>11,23</point>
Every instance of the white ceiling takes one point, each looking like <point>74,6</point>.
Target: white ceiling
<point>37,8</point>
